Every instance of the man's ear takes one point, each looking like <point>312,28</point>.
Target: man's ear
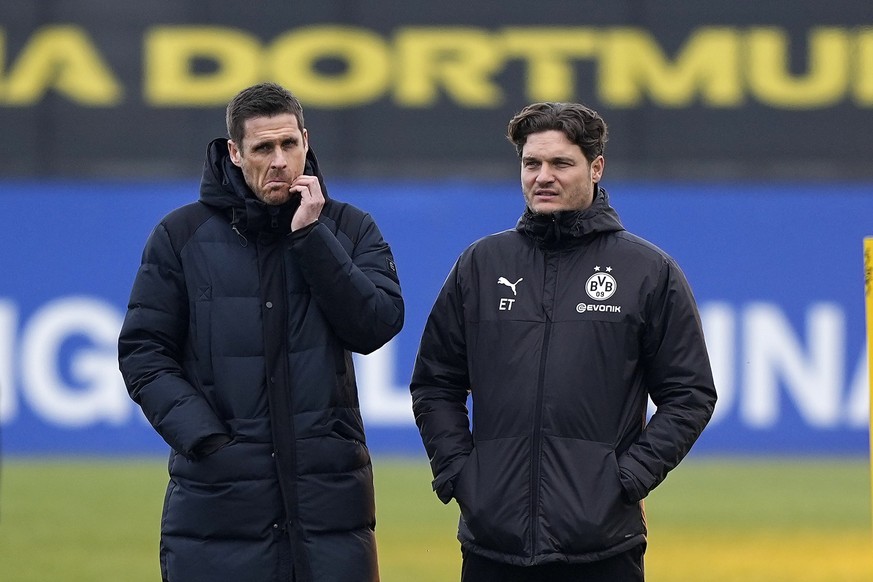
<point>234,152</point>
<point>597,167</point>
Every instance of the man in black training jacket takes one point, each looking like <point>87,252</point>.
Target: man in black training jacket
<point>237,345</point>
<point>560,329</point>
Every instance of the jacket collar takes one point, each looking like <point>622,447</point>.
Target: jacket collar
<point>571,227</point>
<point>223,186</point>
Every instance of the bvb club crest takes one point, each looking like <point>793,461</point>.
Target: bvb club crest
<point>601,285</point>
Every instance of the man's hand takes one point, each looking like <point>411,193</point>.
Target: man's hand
<point>311,201</point>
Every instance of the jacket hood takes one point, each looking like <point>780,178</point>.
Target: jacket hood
<point>223,186</point>
<point>569,227</point>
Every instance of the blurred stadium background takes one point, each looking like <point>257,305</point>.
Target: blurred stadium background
<point>740,143</point>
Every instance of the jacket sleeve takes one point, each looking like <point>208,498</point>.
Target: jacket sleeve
<point>679,381</point>
<point>440,385</point>
<point>358,292</point>
<point>150,345</point>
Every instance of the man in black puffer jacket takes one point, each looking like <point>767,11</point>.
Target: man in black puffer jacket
<point>237,345</point>
<point>560,330</point>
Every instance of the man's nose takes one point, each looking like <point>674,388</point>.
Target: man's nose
<point>278,158</point>
<point>545,174</point>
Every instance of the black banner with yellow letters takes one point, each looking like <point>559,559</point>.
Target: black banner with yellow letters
<point>693,89</point>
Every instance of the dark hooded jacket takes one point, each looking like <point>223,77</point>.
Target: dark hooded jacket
<point>238,337</point>
<point>560,329</point>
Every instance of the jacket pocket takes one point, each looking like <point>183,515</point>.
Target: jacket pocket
<point>335,484</point>
<point>582,505</point>
<point>493,492</point>
<point>232,493</point>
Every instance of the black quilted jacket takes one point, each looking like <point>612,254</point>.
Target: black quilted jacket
<point>560,329</point>
<point>237,328</point>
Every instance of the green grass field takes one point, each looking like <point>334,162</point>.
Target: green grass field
<point>713,520</point>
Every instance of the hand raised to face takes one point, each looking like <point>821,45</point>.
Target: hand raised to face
<point>311,201</point>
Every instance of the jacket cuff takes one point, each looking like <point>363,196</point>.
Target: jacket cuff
<point>210,444</point>
<point>444,484</point>
<point>631,488</point>
<point>302,232</point>
<point>636,480</point>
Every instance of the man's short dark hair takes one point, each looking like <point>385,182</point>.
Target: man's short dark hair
<point>582,126</point>
<point>262,100</point>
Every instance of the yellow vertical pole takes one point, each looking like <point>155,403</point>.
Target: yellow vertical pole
<point>868,307</point>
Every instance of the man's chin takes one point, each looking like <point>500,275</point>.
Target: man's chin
<point>275,196</point>
<point>546,208</point>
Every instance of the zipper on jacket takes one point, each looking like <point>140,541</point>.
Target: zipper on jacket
<point>549,290</point>
<point>279,399</point>
<point>536,439</point>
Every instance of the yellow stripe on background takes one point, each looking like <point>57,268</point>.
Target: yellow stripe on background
<point>868,304</point>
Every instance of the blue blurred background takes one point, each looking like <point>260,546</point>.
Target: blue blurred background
<point>739,143</point>
<point>776,270</point>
